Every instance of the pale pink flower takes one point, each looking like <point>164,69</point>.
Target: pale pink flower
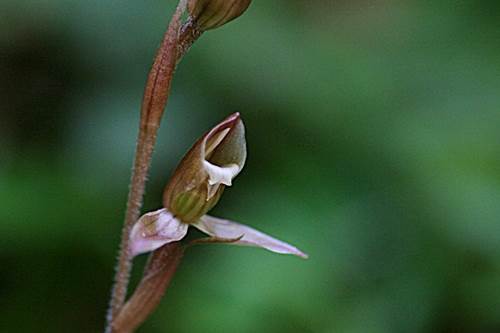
<point>196,186</point>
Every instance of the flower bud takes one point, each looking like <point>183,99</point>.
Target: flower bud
<point>210,165</point>
<point>210,14</point>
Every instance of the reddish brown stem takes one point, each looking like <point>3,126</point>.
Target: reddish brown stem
<point>158,273</point>
<point>153,104</point>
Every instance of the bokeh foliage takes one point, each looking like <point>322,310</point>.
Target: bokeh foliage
<point>374,145</point>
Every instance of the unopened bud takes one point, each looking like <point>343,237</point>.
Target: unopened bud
<point>210,165</point>
<point>210,14</point>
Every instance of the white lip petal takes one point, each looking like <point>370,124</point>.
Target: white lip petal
<point>154,230</point>
<point>221,174</point>
<point>250,237</point>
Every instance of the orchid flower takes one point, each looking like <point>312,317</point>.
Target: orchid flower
<point>196,186</point>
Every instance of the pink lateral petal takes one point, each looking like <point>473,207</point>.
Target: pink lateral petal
<point>154,230</point>
<point>250,237</point>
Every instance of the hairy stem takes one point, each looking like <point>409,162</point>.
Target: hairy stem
<point>152,108</point>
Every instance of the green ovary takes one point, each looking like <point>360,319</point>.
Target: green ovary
<point>190,206</point>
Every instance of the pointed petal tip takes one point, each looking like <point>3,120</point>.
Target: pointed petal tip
<point>232,119</point>
<point>285,248</point>
<point>296,252</point>
<point>235,115</point>
<point>302,255</point>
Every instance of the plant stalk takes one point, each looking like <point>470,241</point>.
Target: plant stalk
<point>156,93</point>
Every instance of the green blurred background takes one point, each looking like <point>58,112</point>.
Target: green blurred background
<point>374,145</point>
